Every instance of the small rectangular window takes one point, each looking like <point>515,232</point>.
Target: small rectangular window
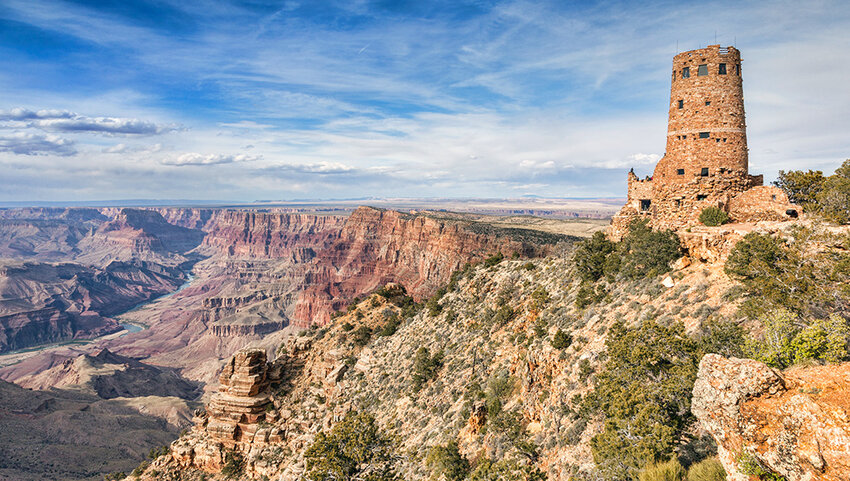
<point>644,204</point>
<point>704,172</point>
<point>702,71</point>
<point>680,171</point>
<point>708,102</point>
<point>681,104</point>
<point>686,72</point>
<point>738,69</point>
<point>702,197</point>
<point>704,135</point>
<point>721,69</point>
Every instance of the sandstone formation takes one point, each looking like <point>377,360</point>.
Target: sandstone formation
<point>237,418</point>
<point>242,399</point>
<point>379,246</point>
<point>795,424</point>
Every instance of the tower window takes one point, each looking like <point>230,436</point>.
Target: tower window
<point>721,69</point>
<point>704,172</point>
<point>680,171</point>
<point>644,204</point>
<point>717,140</point>
<point>738,69</point>
<point>702,197</point>
<point>702,70</point>
<point>708,102</point>
<point>681,104</point>
<point>686,72</point>
<point>704,135</point>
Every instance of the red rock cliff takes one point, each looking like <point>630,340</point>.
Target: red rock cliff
<point>380,246</point>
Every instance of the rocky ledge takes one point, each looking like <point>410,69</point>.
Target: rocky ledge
<point>795,423</point>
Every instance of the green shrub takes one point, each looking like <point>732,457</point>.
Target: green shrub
<point>643,392</point>
<point>392,325</point>
<point>425,367</point>
<point>707,470</point>
<point>362,335</point>
<point>434,307</point>
<point>827,196</point>
<point>446,461</point>
<point>591,255</point>
<point>646,252</point>
<point>812,283</point>
<point>561,340</point>
<point>822,340</point>
<point>493,260</point>
<point>354,449</point>
<point>722,337</point>
<point>669,471</point>
<point>347,326</point>
<point>752,466</point>
<point>713,216</point>
<point>540,297</point>
<point>589,294</point>
<point>784,341</point>
<point>801,187</point>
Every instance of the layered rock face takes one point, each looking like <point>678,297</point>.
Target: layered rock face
<point>380,246</point>
<point>233,417</point>
<point>796,423</point>
<point>242,399</point>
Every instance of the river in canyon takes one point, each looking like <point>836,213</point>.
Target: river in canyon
<point>14,357</point>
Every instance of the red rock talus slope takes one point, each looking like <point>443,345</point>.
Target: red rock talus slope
<point>796,423</point>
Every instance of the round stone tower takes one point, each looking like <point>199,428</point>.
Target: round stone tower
<point>706,160</point>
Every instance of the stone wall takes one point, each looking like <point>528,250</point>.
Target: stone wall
<point>761,203</point>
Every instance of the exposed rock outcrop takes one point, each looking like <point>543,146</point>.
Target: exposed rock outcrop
<point>237,417</point>
<point>796,423</point>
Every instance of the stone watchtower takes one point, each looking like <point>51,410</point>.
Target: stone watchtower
<point>706,162</point>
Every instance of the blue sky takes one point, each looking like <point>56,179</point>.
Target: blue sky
<point>280,100</point>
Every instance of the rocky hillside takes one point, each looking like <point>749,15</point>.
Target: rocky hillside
<point>525,369</point>
<point>494,333</point>
<point>70,435</point>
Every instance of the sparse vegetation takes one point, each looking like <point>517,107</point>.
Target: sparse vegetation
<point>561,340</point>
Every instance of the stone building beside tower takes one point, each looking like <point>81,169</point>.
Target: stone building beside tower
<point>706,162</point>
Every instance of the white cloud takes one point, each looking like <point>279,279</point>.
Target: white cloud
<point>195,159</point>
<point>24,143</point>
